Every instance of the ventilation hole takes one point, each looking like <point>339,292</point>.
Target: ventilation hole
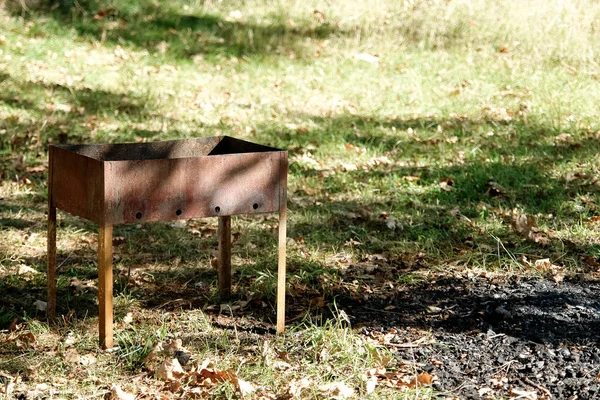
<point>178,212</point>
<point>138,215</point>
<point>217,209</point>
<point>255,206</point>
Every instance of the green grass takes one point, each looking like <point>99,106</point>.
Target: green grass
<point>460,94</point>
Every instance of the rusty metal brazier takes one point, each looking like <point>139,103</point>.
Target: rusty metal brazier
<point>125,183</point>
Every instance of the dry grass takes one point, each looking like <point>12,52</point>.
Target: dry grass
<point>444,120</point>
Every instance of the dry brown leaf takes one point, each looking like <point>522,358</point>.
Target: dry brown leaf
<point>544,264</point>
<point>128,318</point>
<point>116,393</point>
<point>210,376</point>
<point>424,378</point>
<point>447,184</point>
<point>558,277</point>
<point>25,340</point>
<point>355,149</point>
<point>173,346</point>
<point>172,386</point>
<point>527,228</point>
<point>524,224</point>
<point>154,354</point>
<point>169,370</point>
<point>72,356</point>
<point>523,394</point>
<point>196,393</point>
<point>297,386</point>
<point>337,390</point>
<point>87,359</point>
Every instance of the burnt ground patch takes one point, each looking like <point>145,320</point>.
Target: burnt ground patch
<point>484,337</point>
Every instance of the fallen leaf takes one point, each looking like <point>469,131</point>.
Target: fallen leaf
<point>355,149</point>
<point>173,346</point>
<point>558,277</point>
<point>87,359</point>
<point>116,393</point>
<point>72,356</point>
<point>297,386</point>
<point>527,228</point>
<point>543,264</point>
<point>523,394</point>
<point>337,390</point>
<point>128,318</point>
<point>447,184</point>
<point>424,378</point>
<point>169,370</point>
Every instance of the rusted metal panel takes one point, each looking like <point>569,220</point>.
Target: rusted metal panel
<point>77,184</point>
<point>164,190</point>
<point>163,181</point>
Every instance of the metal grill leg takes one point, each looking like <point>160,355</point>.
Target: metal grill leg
<point>51,254</point>
<point>105,286</point>
<point>281,269</point>
<point>224,257</point>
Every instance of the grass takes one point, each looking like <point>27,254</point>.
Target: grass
<point>443,120</point>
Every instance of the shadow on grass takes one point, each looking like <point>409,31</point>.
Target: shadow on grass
<point>436,228</point>
<point>164,29</point>
<point>52,113</point>
<point>479,169</point>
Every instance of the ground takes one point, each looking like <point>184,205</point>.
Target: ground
<point>443,223</point>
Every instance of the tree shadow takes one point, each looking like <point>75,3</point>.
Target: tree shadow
<point>434,224</point>
<point>433,178</point>
<point>164,30</point>
<point>53,113</point>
